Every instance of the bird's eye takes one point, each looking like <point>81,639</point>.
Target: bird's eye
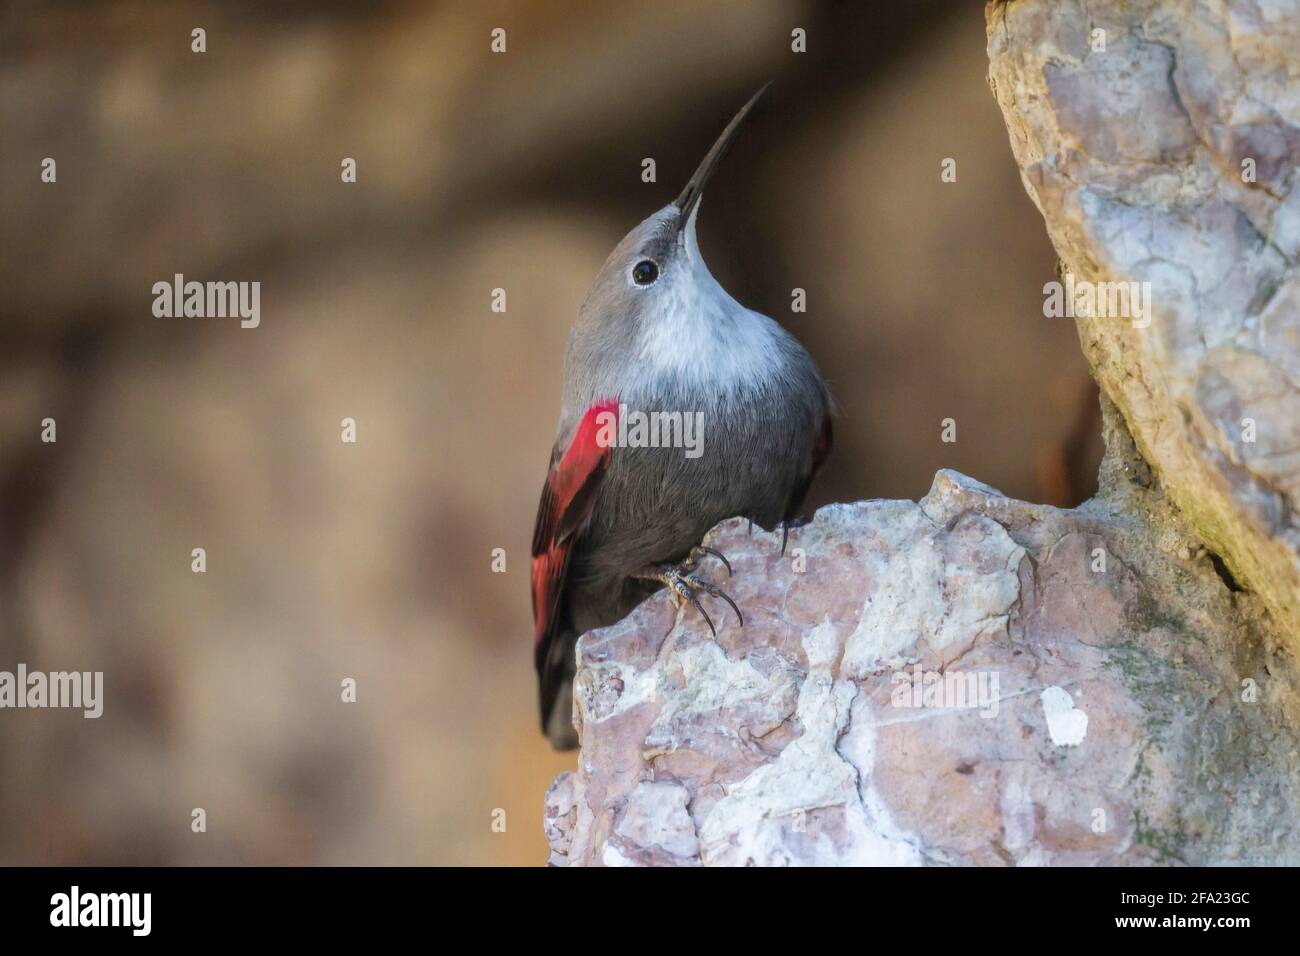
<point>645,272</point>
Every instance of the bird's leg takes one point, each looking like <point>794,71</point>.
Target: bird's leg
<point>682,582</point>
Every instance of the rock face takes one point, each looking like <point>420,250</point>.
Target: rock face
<point>970,679</point>
<point>966,679</point>
<point>1160,141</point>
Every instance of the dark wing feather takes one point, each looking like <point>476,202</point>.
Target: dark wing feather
<point>820,452</point>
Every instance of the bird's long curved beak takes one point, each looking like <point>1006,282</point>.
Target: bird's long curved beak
<point>690,196</point>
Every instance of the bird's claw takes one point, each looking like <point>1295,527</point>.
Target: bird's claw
<point>700,550</point>
<point>682,590</point>
<point>715,591</point>
<point>683,585</point>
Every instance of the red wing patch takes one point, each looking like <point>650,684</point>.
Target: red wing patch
<point>562,515</point>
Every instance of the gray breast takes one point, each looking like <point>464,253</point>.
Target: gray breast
<point>655,504</point>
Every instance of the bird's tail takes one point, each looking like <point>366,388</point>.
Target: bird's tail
<point>555,691</point>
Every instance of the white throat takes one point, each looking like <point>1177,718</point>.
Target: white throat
<point>700,335</point>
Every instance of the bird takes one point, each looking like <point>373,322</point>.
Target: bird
<point>618,520</point>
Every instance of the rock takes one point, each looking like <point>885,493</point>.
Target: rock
<point>1160,141</point>
<point>966,679</point>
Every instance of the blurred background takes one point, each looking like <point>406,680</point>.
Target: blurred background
<point>373,560</point>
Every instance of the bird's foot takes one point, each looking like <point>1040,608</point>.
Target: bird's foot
<point>683,584</point>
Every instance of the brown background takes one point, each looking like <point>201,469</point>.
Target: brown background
<point>372,560</point>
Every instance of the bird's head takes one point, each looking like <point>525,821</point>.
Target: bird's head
<point>656,271</point>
